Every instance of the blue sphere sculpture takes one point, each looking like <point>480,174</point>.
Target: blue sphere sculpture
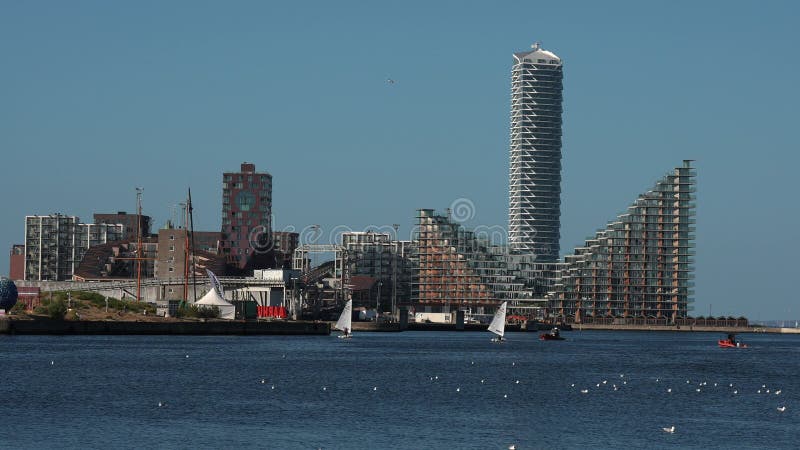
<point>8,294</point>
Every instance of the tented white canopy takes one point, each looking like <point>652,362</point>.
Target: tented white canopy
<point>212,298</point>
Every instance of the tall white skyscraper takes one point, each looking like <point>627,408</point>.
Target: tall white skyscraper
<point>534,191</point>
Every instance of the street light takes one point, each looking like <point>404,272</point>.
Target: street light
<point>378,302</point>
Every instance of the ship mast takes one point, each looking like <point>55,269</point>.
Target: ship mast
<point>191,230</point>
<point>139,252</point>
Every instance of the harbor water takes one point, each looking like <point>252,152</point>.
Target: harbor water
<point>597,389</point>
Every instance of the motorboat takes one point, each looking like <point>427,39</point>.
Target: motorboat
<point>731,342</point>
<point>552,335</point>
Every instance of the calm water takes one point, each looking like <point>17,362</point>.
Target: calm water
<point>102,392</point>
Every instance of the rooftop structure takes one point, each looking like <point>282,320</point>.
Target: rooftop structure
<point>135,225</point>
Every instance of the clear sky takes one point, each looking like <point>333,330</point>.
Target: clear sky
<point>99,97</point>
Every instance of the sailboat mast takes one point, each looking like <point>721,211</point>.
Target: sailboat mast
<point>191,230</point>
<point>139,252</point>
<point>185,254</point>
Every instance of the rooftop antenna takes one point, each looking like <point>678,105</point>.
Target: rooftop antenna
<point>182,224</point>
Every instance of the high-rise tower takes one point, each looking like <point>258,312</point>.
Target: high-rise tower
<point>246,214</point>
<point>534,191</point>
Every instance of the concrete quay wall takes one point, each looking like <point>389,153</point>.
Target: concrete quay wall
<point>684,328</point>
<point>107,327</point>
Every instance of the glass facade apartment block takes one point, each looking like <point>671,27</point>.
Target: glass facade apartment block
<point>535,154</point>
<point>386,260</point>
<point>458,270</point>
<point>55,244</point>
<point>641,266</point>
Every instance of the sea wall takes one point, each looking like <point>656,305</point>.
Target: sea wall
<point>215,327</point>
<point>750,329</point>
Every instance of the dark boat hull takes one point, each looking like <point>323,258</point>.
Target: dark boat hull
<point>724,343</point>
<point>550,337</point>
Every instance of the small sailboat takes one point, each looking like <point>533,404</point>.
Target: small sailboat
<point>498,325</point>
<point>345,321</point>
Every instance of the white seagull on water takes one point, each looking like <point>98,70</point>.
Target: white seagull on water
<point>669,430</point>
<point>781,408</point>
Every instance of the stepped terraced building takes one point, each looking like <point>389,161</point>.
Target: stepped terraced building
<point>641,266</point>
<point>457,269</point>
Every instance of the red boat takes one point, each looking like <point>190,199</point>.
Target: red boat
<point>553,335</point>
<point>731,342</point>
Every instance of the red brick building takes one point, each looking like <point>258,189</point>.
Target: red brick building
<point>16,266</point>
<point>246,214</point>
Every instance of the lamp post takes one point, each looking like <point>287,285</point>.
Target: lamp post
<point>378,302</point>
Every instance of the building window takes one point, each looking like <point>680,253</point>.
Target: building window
<point>245,200</point>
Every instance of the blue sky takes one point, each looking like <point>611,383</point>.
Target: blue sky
<point>97,98</point>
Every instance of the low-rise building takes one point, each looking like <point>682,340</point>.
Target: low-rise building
<point>16,263</point>
<point>387,262</point>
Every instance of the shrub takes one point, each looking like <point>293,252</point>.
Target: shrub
<point>56,309</point>
<point>207,313</point>
<point>187,311</point>
<point>19,308</point>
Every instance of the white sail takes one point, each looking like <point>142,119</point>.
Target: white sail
<point>498,325</point>
<point>346,319</point>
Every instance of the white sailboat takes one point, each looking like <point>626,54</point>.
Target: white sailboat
<point>345,321</point>
<point>498,325</point>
